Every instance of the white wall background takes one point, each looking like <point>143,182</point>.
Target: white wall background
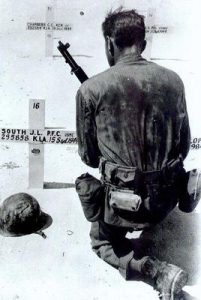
<point>26,72</point>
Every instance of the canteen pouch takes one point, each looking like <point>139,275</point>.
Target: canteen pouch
<point>124,200</point>
<point>91,194</point>
<point>190,190</point>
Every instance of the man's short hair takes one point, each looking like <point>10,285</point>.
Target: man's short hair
<point>125,26</point>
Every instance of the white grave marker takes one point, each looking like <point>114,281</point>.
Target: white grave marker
<point>36,151</point>
<point>37,135</point>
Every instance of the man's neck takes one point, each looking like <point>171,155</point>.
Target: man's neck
<point>133,51</point>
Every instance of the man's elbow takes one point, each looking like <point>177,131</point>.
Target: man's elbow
<point>92,162</point>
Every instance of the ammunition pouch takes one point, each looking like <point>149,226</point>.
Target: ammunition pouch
<point>91,194</point>
<point>124,200</point>
<point>136,196</point>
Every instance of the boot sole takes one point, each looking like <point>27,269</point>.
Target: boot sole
<point>179,282</point>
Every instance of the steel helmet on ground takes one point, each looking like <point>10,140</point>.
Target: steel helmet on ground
<point>20,214</point>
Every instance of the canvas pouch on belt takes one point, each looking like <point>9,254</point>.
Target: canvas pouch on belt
<point>131,193</point>
<point>125,186</point>
<point>124,200</point>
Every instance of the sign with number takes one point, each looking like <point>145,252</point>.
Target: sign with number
<point>196,143</point>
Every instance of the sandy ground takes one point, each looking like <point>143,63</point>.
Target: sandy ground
<point>63,265</point>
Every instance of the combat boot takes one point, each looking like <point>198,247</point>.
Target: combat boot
<point>168,279</point>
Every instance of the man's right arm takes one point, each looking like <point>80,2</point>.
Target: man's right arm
<point>86,131</point>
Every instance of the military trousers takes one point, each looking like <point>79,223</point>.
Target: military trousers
<point>109,242</point>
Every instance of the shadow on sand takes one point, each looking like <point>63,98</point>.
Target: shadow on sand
<point>175,240</point>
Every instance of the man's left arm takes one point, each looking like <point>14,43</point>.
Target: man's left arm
<point>86,131</point>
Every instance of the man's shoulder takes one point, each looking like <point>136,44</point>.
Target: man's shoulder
<point>102,81</point>
<point>168,74</point>
<point>96,82</point>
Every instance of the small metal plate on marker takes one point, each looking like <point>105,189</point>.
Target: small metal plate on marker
<point>35,151</point>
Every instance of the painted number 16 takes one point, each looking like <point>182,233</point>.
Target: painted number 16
<point>36,105</point>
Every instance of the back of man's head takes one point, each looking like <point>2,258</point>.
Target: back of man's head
<point>126,27</point>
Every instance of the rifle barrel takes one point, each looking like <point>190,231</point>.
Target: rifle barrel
<point>77,70</point>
